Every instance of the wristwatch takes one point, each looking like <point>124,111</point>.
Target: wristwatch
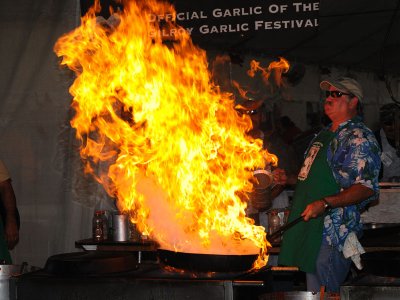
<point>326,204</point>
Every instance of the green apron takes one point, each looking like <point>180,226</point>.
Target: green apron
<point>301,243</point>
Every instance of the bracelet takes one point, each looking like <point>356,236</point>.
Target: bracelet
<point>326,204</point>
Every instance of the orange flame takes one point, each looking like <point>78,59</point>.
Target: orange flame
<point>275,68</point>
<point>179,160</point>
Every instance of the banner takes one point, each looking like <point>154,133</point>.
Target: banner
<point>226,17</point>
<point>271,26</point>
<point>252,25</point>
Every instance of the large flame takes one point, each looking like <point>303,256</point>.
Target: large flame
<point>179,160</point>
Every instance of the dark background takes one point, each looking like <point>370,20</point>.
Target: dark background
<point>363,35</point>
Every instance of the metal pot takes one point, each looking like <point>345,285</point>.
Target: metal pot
<point>260,198</point>
<point>206,262</point>
<point>6,272</point>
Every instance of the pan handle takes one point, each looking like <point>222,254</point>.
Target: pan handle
<point>285,227</point>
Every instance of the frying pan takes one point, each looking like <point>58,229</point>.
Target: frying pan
<point>197,262</point>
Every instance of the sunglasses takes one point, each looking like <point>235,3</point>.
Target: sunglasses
<point>336,94</point>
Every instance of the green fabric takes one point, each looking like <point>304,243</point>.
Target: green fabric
<point>301,243</point>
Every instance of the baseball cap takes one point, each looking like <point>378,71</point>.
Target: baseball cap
<point>344,84</point>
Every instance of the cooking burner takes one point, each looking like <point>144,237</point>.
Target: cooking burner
<point>148,281</point>
<point>368,286</point>
<point>92,263</point>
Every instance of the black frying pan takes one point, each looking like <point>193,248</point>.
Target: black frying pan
<point>215,262</point>
<point>197,262</point>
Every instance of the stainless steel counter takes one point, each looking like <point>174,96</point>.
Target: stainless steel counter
<point>387,208</point>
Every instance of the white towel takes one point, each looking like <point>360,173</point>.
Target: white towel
<point>353,249</point>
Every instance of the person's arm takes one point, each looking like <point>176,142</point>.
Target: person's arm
<point>8,198</point>
<point>361,166</point>
<point>353,195</point>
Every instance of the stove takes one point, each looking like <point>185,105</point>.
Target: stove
<point>371,287</point>
<point>145,280</point>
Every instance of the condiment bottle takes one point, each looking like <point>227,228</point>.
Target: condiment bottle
<point>286,213</point>
<point>98,226</point>
<point>274,223</point>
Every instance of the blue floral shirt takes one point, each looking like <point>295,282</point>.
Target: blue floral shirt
<point>354,157</point>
